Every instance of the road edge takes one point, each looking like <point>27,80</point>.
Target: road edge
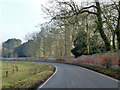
<point>102,74</point>
<point>48,78</point>
<point>92,70</point>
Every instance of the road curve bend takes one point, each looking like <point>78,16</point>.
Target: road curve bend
<point>70,76</point>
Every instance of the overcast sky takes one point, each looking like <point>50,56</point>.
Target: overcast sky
<point>19,17</point>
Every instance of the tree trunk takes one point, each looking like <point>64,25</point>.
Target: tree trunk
<point>44,53</point>
<point>113,41</point>
<point>118,28</point>
<point>100,27</point>
<point>65,54</point>
<point>88,34</point>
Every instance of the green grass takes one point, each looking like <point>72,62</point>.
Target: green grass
<point>29,74</point>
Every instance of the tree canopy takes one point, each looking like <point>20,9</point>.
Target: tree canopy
<point>8,47</point>
<point>81,28</point>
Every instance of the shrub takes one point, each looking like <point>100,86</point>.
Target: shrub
<point>106,61</point>
<point>109,51</point>
<point>60,60</point>
<point>100,53</point>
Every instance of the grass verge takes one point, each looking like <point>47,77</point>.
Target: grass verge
<point>24,74</point>
<point>114,73</point>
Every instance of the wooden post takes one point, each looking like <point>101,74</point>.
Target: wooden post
<point>6,73</point>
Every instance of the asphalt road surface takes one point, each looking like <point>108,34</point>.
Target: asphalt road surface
<point>70,76</point>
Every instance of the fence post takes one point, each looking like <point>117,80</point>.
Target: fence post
<point>6,73</point>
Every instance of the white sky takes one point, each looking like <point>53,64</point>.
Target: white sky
<point>19,17</point>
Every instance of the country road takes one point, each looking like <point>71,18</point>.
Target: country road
<point>70,76</point>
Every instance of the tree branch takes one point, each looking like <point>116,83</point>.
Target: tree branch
<point>87,12</point>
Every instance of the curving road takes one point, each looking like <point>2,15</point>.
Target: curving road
<point>70,76</point>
